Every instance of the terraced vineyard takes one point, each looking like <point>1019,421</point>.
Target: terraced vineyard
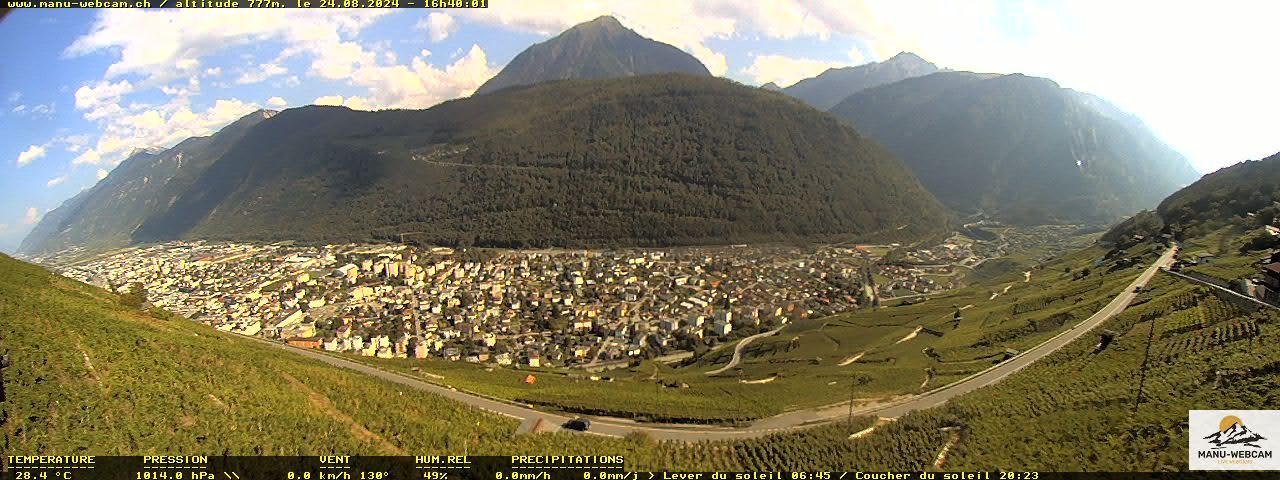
<point>1076,407</point>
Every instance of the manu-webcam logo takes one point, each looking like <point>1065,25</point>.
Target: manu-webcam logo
<point>1233,439</point>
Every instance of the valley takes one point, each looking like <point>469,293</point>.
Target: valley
<point>728,237</point>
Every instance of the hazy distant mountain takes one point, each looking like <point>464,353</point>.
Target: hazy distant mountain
<point>771,87</point>
<point>652,160</point>
<point>601,48</point>
<point>830,87</point>
<point>1019,147</point>
<point>145,184</point>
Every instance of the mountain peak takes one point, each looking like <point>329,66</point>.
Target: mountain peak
<point>905,56</point>
<point>910,60</point>
<point>835,84</point>
<point>598,49</point>
<point>603,21</point>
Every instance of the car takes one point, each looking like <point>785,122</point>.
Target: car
<point>1137,289</point>
<point>580,424</point>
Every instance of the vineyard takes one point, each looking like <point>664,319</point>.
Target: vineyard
<point>93,376</point>
<point>1076,407</point>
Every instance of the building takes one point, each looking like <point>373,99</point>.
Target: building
<point>306,342</point>
<point>1269,290</point>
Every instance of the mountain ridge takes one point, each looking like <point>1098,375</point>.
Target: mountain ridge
<point>835,84</point>
<point>598,49</point>
<point>107,213</point>
<point>1019,147</point>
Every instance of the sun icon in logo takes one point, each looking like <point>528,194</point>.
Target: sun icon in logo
<point>1228,421</point>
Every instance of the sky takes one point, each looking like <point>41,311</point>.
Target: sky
<point>81,89</point>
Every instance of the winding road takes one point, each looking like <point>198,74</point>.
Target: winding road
<point>741,345</point>
<point>787,421</point>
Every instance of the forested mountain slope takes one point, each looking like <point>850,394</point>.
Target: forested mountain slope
<point>1019,148</point>
<point>653,160</point>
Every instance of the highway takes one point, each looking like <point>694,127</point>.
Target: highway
<point>786,421</point>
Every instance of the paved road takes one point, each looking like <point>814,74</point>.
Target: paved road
<point>786,421</point>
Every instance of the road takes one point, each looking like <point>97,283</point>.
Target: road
<point>742,344</point>
<point>787,421</point>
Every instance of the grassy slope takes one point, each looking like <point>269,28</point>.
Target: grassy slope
<point>158,385</point>
<point>91,376</point>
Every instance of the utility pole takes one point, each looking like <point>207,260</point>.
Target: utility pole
<point>852,385</point>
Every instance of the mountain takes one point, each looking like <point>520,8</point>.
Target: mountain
<point>1019,148</point>
<point>601,48</point>
<point>1235,191</point>
<point>830,87</point>
<point>652,160</point>
<point>145,184</point>
<point>1236,434</point>
<point>772,87</point>
<point>1244,194</point>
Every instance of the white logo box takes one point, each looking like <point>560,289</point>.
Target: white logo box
<point>1233,440</point>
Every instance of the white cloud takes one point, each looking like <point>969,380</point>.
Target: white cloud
<point>55,181</point>
<point>74,143</point>
<point>102,173</point>
<point>276,102</point>
<point>213,71</point>
<point>15,96</point>
<point>784,70</point>
<point>46,110</point>
<point>328,100</point>
<point>191,88</point>
<point>856,57</point>
<point>438,25</point>
<point>420,84</point>
<point>89,157</point>
<point>263,72</point>
<point>30,154</point>
<point>176,40</point>
<point>341,59</point>
<point>162,126</point>
<point>33,216</point>
<point>102,98</point>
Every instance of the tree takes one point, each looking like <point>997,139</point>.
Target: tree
<point>135,297</point>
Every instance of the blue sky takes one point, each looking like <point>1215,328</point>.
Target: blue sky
<point>84,88</point>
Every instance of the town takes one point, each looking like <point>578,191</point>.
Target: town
<point>534,308</point>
